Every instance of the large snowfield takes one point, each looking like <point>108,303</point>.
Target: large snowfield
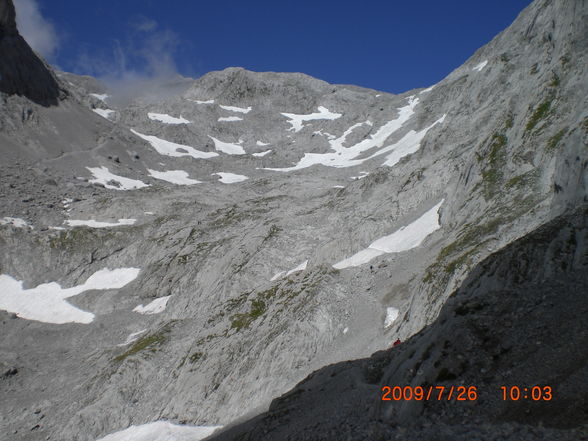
<point>178,177</point>
<point>343,156</point>
<point>403,239</point>
<point>103,176</point>
<point>46,302</point>
<point>167,119</point>
<point>237,109</point>
<point>169,148</point>
<point>104,113</point>
<point>97,224</point>
<point>154,307</point>
<point>227,147</point>
<point>161,431</point>
<point>297,121</point>
<point>230,178</point>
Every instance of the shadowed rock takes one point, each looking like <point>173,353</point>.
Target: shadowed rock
<point>22,72</point>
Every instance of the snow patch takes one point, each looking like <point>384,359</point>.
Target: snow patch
<point>167,119</point>
<point>132,337</point>
<point>202,102</point>
<point>230,118</point>
<point>328,135</point>
<point>428,89</point>
<point>299,268</point>
<point>230,178</point>
<point>277,276</point>
<point>346,156</point>
<point>161,431</point>
<point>67,204</point>
<point>260,154</point>
<point>179,177</point>
<point>96,224</point>
<point>362,174</point>
<point>228,148</point>
<point>408,144</point>
<point>262,144</point>
<point>15,222</point>
<point>103,176</point>
<point>236,109</point>
<point>296,121</point>
<point>101,97</point>
<point>46,303</point>
<point>391,315</point>
<point>403,239</point>
<point>169,148</point>
<point>155,307</point>
<point>480,66</point>
<point>104,113</point>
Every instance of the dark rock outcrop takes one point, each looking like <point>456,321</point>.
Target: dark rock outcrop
<point>22,72</point>
<point>519,319</point>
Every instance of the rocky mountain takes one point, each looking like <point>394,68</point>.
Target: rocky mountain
<point>518,320</point>
<point>190,251</point>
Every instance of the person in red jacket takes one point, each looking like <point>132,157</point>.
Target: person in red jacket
<point>397,342</point>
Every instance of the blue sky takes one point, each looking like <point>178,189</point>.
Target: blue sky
<point>389,45</point>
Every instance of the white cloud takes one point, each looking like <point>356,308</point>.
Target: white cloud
<point>141,65</point>
<point>36,30</point>
<point>143,24</point>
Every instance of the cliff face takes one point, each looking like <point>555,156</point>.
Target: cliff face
<point>22,72</point>
<point>274,224</point>
<point>519,319</point>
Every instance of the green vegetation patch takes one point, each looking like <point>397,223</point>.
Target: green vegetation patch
<point>553,142</point>
<point>523,180</point>
<point>258,308</point>
<point>282,293</point>
<point>243,320</point>
<point>494,162</point>
<point>509,122</point>
<point>148,343</point>
<point>452,266</point>
<point>471,237</point>
<point>541,112</point>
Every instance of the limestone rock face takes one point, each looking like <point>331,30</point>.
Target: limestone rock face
<point>273,223</point>
<point>22,72</point>
<point>508,324</point>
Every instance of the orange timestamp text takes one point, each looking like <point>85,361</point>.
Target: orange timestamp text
<point>429,393</point>
<point>463,393</point>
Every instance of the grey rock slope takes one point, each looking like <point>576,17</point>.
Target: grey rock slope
<point>519,319</point>
<point>490,153</point>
